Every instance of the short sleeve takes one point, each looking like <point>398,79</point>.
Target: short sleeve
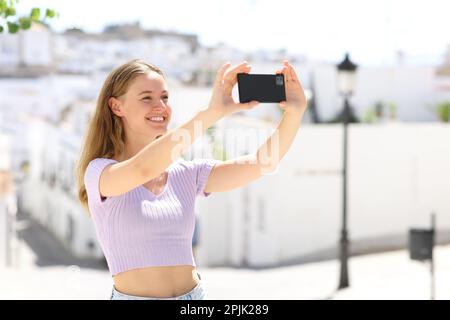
<point>92,178</point>
<point>203,168</point>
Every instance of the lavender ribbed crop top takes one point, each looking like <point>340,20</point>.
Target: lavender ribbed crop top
<point>138,228</point>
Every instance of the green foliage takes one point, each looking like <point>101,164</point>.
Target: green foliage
<point>13,27</point>
<point>370,116</point>
<point>49,13</point>
<point>443,111</point>
<point>381,111</point>
<point>392,110</point>
<point>35,14</point>
<point>25,23</point>
<point>10,21</point>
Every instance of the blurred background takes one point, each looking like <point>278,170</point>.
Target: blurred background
<point>282,236</point>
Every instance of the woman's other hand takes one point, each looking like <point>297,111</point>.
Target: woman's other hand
<point>222,101</point>
<point>295,95</point>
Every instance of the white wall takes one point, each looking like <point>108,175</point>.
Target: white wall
<point>398,174</point>
<point>8,204</point>
<point>32,47</point>
<point>37,46</point>
<point>9,50</point>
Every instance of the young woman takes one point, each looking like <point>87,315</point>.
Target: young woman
<point>139,191</point>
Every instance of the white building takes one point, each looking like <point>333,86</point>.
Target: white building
<point>26,53</point>
<point>54,151</point>
<point>8,205</point>
<point>415,90</point>
<point>78,52</point>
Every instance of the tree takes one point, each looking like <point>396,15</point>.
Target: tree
<point>10,20</point>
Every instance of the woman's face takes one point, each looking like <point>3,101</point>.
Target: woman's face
<point>144,108</point>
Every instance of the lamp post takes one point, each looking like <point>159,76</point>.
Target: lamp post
<point>346,84</point>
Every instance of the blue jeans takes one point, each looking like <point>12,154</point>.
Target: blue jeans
<point>198,293</point>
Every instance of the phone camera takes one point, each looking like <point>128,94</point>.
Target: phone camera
<point>279,80</point>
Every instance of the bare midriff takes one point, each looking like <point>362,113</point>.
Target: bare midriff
<point>157,282</point>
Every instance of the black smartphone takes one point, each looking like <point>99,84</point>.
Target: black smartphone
<point>261,87</point>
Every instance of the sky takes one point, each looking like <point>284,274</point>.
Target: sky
<point>373,31</point>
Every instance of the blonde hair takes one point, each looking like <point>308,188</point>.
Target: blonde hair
<point>105,134</point>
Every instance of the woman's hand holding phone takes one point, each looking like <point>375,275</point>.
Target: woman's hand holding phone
<point>296,102</point>
<point>222,101</point>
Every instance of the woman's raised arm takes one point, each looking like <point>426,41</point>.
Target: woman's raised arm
<point>155,157</point>
<point>240,171</point>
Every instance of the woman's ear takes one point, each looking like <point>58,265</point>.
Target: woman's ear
<point>115,106</point>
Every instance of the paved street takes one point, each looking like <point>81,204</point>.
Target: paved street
<point>391,275</point>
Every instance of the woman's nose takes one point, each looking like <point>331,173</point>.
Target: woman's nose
<point>161,105</point>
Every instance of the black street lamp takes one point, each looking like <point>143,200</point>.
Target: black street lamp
<point>346,85</point>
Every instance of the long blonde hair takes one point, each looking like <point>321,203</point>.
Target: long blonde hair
<point>105,135</point>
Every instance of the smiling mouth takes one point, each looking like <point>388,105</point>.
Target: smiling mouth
<point>156,119</point>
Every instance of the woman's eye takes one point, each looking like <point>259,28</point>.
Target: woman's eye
<point>149,98</point>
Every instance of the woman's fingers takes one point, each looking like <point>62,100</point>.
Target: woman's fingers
<point>230,78</point>
<point>236,69</point>
<point>285,72</point>
<point>293,73</point>
<point>231,75</point>
<point>248,105</point>
<point>221,72</point>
